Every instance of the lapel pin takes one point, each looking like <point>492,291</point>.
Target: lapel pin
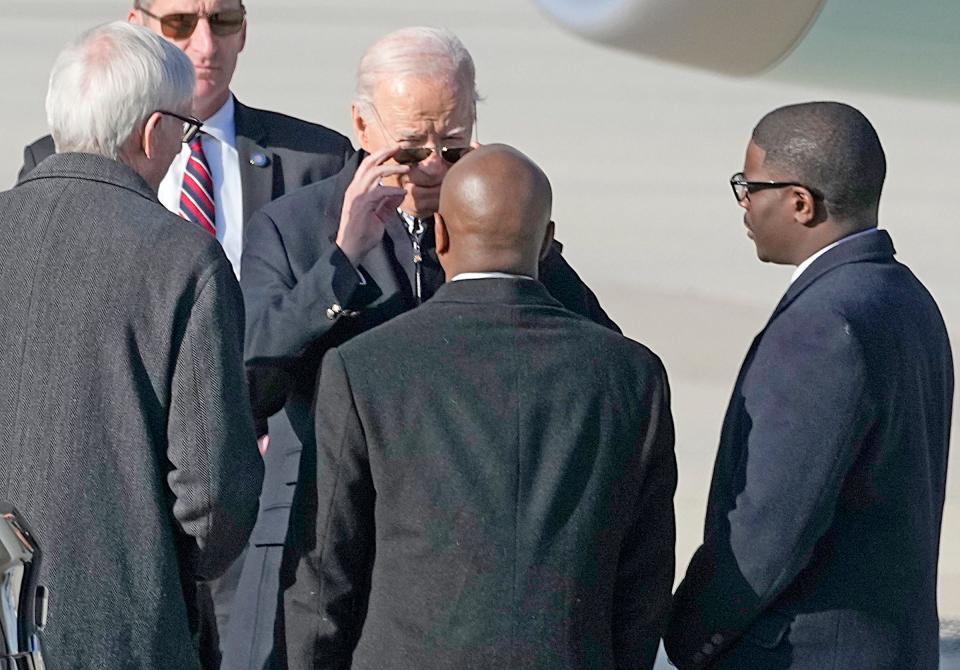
<point>259,160</point>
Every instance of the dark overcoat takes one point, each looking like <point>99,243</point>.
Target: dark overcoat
<point>823,521</point>
<point>502,498</point>
<point>125,431</point>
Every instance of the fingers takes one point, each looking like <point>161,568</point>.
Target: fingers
<point>388,198</point>
<point>373,169</point>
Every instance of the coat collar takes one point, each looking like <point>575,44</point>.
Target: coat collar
<point>510,291</point>
<point>91,167</point>
<point>875,247</point>
<point>247,123</point>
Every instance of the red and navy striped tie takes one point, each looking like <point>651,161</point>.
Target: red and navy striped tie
<point>196,193</point>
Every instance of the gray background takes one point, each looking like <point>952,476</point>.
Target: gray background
<point>639,153</point>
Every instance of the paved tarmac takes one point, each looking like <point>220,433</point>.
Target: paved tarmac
<point>639,153</point>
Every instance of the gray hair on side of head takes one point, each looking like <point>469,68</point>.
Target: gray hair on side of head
<point>108,81</point>
<point>417,52</point>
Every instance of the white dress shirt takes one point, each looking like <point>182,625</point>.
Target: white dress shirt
<point>488,275</point>
<point>804,265</point>
<point>219,141</point>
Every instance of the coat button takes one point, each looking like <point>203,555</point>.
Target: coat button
<point>334,311</point>
<point>707,649</point>
<point>259,160</point>
<point>698,658</point>
<point>717,639</point>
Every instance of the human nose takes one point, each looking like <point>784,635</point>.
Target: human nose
<point>434,163</point>
<point>202,40</point>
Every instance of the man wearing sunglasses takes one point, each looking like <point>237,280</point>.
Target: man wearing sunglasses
<point>824,515</point>
<point>251,156</point>
<point>339,257</point>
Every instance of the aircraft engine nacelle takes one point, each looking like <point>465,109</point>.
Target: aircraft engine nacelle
<point>741,37</point>
<point>890,46</point>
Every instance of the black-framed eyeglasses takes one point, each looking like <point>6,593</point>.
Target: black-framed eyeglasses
<point>415,155</point>
<point>191,124</point>
<point>743,188</point>
<point>180,26</point>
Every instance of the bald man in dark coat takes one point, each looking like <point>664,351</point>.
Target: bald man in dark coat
<point>505,499</point>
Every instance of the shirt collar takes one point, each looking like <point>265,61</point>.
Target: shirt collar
<point>488,275</point>
<point>807,263</point>
<point>221,125</point>
<point>414,225</point>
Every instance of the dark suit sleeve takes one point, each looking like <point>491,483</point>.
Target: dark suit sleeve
<point>287,314</point>
<point>806,398</point>
<point>327,604</point>
<point>565,285</point>
<point>646,568</point>
<point>216,469</point>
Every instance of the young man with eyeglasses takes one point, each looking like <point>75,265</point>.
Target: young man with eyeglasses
<point>250,156</point>
<point>341,256</point>
<point>823,520</point>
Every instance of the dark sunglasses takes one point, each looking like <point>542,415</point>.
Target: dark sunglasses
<point>181,26</point>
<point>416,155</point>
<point>743,188</point>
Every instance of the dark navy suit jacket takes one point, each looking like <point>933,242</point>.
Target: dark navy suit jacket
<point>823,521</point>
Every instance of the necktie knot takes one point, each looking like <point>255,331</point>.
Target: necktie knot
<point>196,192</point>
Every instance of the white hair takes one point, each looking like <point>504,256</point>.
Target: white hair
<point>418,52</point>
<point>107,82</point>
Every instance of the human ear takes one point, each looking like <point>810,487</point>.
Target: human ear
<point>150,135</point>
<point>360,127</point>
<point>547,240</point>
<point>804,206</point>
<point>442,239</point>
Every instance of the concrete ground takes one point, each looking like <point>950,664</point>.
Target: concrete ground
<point>639,154</point>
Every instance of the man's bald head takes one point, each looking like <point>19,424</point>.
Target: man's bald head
<point>494,213</point>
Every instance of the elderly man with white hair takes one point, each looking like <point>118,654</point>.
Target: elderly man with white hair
<point>127,437</point>
<point>337,258</point>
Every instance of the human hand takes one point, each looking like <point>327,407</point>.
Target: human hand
<point>367,205</point>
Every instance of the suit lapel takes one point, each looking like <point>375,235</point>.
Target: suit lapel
<point>382,267</point>
<point>258,167</point>
<point>398,238</point>
<point>876,246</point>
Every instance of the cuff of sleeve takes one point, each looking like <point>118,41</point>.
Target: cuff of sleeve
<point>352,288</point>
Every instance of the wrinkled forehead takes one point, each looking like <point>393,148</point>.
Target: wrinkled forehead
<point>414,101</point>
<point>164,7</point>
